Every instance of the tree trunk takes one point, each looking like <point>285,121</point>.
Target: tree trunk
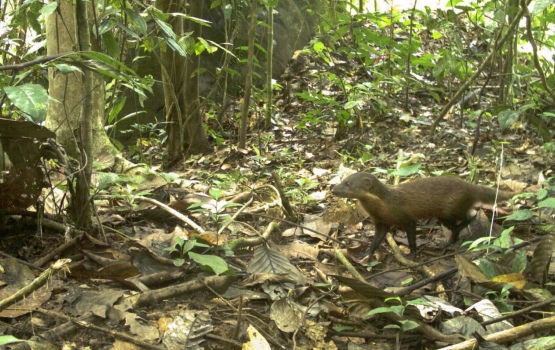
<point>173,82</point>
<point>269,65</point>
<point>82,199</point>
<point>195,134</point>
<point>248,78</point>
<point>67,92</point>
<point>185,127</point>
<point>70,109</point>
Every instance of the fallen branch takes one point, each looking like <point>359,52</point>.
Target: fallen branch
<point>33,286</point>
<point>509,335</point>
<point>172,211</point>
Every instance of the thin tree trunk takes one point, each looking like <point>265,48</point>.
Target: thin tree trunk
<point>248,79</point>
<point>269,70</point>
<point>82,202</point>
<point>76,109</point>
<point>196,139</point>
<point>173,81</point>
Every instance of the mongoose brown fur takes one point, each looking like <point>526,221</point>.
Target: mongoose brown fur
<point>446,198</point>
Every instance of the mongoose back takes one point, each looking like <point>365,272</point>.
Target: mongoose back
<point>447,198</point>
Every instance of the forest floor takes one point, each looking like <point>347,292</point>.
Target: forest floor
<point>233,263</point>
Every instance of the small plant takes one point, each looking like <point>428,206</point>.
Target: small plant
<point>125,187</point>
<point>148,146</point>
<point>183,249</point>
<point>500,298</point>
<point>404,324</point>
<point>301,192</point>
<point>120,187</point>
<point>545,197</point>
<point>215,211</point>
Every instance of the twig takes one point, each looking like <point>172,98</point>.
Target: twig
<point>289,212</point>
<point>58,250</point>
<point>519,312</point>
<point>251,242</point>
<point>423,269</point>
<point>339,256</point>
<point>16,67</point>
<point>517,333</point>
<point>171,211</point>
<point>242,209</point>
<point>33,286</point>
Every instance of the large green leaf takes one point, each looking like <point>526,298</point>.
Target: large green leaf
<point>9,339</point>
<point>169,36</point>
<point>407,170</point>
<point>547,203</point>
<point>520,215</point>
<point>31,99</point>
<point>217,264</point>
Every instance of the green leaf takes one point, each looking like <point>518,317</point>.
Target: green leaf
<point>196,205</point>
<point>179,241</point>
<point>129,31</point>
<point>196,20</point>
<point>547,203</point>
<point>48,9</point>
<point>540,6</point>
<point>217,264</point>
<point>507,118</point>
<point>215,193</point>
<point>169,177</point>
<point>179,262</point>
<point>407,325</point>
<point>66,68</point>
<point>379,310</point>
<point>205,46</point>
<point>487,267</point>
<point>110,43</point>
<point>520,261</point>
<point>504,240</point>
<point>407,170</point>
<point>353,104</point>
<point>169,36</point>
<point>231,205</point>
<point>137,20</point>
<point>392,326</point>
<point>187,246</point>
<point>31,99</point>
<point>120,102</point>
<point>398,309</point>
<point>9,339</point>
<point>106,180</point>
<point>319,48</point>
<point>419,301</point>
<point>520,215</point>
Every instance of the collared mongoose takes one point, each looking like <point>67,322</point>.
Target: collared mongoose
<point>446,198</point>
